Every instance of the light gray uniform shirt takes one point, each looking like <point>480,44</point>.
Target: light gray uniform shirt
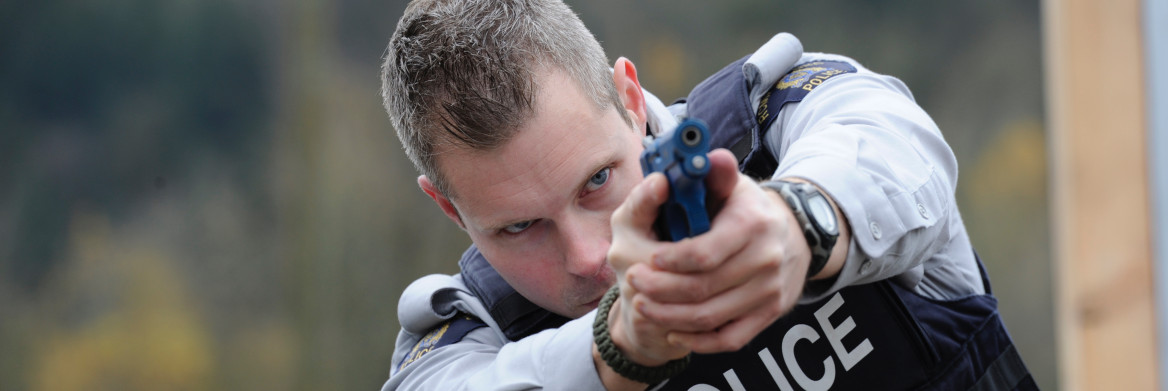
<point>859,136</point>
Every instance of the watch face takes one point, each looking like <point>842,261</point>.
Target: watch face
<point>822,213</point>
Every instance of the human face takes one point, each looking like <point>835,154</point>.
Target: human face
<point>538,207</point>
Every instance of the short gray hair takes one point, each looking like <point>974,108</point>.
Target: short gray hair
<point>461,73</point>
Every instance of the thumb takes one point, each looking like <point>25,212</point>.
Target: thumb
<point>723,175</point>
<point>640,209</point>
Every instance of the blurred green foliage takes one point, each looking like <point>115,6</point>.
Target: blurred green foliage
<point>207,195</point>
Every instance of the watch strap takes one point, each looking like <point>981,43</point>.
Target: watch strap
<point>821,243</point>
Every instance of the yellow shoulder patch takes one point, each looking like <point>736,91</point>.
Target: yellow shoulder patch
<point>448,333</point>
<point>793,87</point>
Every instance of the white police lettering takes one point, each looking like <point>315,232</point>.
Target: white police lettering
<point>796,333</point>
<point>835,335</point>
<point>773,368</point>
<point>799,332</point>
<point>732,378</point>
<point>820,78</point>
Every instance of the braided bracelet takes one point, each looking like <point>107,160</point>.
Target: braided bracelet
<point>617,361</point>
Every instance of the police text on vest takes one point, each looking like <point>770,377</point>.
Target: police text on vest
<point>834,334</point>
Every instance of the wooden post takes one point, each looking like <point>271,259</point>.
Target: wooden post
<point>1100,205</point>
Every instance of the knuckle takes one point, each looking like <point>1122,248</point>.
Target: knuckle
<point>755,223</point>
<point>616,220</point>
<point>735,213</point>
<point>784,304</point>
<point>701,258</point>
<point>699,289</point>
<point>774,290</point>
<point>618,255</point>
<point>619,213</point>
<point>771,302</point>
<point>772,258</point>
<point>705,320</point>
<point>652,315</point>
<point>640,314</point>
<point>775,310</point>
<point>648,285</point>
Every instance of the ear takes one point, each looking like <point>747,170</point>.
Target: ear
<point>443,202</point>
<point>624,75</point>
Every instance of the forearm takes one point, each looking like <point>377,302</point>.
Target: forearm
<point>886,168</point>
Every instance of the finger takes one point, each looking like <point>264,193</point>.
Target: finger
<point>653,341</point>
<point>668,287</point>
<point>640,209</point>
<point>729,338</point>
<point>723,175</point>
<point>644,341</point>
<point>633,239</point>
<point>716,312</point>
<point>749,216</point>
<point>728,234</point>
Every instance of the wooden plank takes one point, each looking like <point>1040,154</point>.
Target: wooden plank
<point>1095,100</point>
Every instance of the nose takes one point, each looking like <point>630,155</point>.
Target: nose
<point>585,243</point>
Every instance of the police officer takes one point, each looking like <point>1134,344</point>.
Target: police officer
<point>845,265</point>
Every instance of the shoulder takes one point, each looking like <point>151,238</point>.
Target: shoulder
<point>815,70</point>
<point>431,300</point>
<point>812,72</point>
<point>450,332</point>
<point>821,80</point>
<point>806,76</point>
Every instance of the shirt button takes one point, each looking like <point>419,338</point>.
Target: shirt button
<point>924,212</point>
<point>866,267</point>
<point>875,228</point>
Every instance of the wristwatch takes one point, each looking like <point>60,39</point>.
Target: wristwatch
<point>815,216</point>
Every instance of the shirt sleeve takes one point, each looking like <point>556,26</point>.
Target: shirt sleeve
<point>863,140</point>
<point>555,359</point>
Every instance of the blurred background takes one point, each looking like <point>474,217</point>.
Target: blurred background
<point>208,195</point>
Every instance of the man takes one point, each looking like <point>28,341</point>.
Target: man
<point>847,266</point>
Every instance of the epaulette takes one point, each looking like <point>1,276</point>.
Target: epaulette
<point>445,334</point>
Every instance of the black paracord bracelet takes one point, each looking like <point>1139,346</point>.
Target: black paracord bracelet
<point>616,360</point>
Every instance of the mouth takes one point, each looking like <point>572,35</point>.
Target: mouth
<point>594,303</point>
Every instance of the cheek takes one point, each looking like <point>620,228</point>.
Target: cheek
<point>527,266</point>
<point>537,279</point>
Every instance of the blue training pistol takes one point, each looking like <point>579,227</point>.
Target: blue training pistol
<point>681,156</point>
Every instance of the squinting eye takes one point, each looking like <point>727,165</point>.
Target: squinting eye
<point>598,180</point>
<point>518,227</point>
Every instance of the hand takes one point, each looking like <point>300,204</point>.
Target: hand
<point>718,290</point>
<point>633,244</point>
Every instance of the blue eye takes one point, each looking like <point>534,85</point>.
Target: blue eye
<point>518,227</point>
<point>598,180</point>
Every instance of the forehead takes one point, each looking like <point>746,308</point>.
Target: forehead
<point>544,162</point>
